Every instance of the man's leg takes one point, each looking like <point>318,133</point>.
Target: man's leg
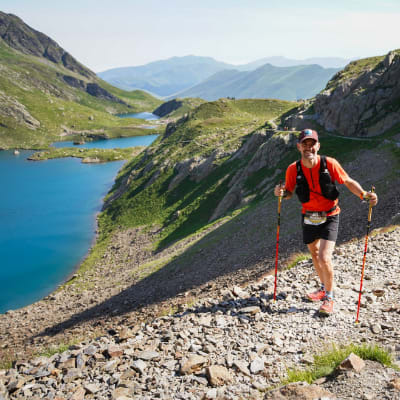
<point>321,252</point>
<point>325,263</point>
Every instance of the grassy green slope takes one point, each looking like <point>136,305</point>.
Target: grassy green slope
<point>33,88</point>
<point>220,126</point>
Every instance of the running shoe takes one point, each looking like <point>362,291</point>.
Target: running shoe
<point>318,295</point>
<point>326,307</point>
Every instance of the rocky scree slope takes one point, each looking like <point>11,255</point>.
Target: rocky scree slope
<point>46,94</point>
<point>361,100</point>
<point>238,343</point>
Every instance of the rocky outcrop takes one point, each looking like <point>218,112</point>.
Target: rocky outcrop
<point>196,168</point>
<point>362,100</point>
<point>74,82</point>
<point>97,91</point>
<point>270,150</point>
<point>12,108</point>
<point>167,107</point>
<point>23,38</point>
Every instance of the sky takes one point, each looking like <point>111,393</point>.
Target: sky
<point>104,34</point>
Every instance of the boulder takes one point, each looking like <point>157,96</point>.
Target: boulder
<point>352,362</point>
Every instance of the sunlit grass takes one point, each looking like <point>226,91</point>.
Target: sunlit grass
<point>325,363</point>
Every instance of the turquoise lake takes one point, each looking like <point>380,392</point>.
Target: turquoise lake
<point>47,222</point>
<point>112,143</point>
<point>48,219</point>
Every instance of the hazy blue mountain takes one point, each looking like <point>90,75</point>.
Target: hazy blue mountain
<point>268,81</point>
<point>278,61</point>
<point>168,77</point>
<point>164,77</point>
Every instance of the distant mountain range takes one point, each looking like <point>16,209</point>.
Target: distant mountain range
<point>176,75</point>
<point>284,83</point>
<point>165,77</point>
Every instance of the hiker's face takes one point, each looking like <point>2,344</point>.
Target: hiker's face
<point>308,149</point>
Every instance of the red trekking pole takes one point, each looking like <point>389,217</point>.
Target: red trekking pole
<point>277,242</point>
<point>365,256</point>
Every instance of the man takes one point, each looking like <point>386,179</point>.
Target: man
<point>320,210</point>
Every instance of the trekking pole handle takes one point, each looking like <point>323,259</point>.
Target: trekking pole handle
<point>370,206</point>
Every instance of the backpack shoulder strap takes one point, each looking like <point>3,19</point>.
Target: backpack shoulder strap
<point>298,167</point>
<point>323,166</point>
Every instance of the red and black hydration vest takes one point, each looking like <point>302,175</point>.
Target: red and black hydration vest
<point>328,188</point>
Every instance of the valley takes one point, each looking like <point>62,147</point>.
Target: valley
<point>189,225</point>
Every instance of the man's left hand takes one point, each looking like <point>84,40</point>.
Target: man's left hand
<point>372,197</point>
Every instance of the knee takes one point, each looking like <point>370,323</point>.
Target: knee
<point>314,253</point>
<point>325,259</point>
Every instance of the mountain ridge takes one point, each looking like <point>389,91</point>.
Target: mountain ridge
<point>46,94</point>
<point>27,40</point>
<point>164,78</point>
<point>267,81</point>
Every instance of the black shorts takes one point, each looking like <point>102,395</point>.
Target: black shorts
<point>328,230</point>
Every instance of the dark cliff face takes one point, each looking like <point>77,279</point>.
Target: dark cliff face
<point>23,38</point>
<point>167,107</point>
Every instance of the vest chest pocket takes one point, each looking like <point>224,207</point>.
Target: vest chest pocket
<point>314,217</point>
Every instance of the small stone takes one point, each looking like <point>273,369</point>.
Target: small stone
<point>139,366</point>
<point>239,292</point>
<point>218,375</point>
<point>205,320</point>
<point>194,363</point>
<point>90,350</point>
<point>299,390</point>
<point>120,393</point>
<point>79,394</point>
<point>211,394</point>
<point>242,367</point>
<point>91,388</point>
<point>379,292</point>
<point>71,375</point>
<point>375,328</point>
<point>125,334</point>
<point>221,321</point>
<point>15,385</point>
<point>257,366</point>
<point>69,363</point>
<point>308,359</point>
<point>148,355</point>
<point>114,351</point>
<point>395,384</point>
<point>262,387</point>
<point>252,310</point>
<point>80,361</point>
<point>111,365</point>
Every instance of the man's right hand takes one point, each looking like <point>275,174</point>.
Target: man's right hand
<point>279,190</point>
